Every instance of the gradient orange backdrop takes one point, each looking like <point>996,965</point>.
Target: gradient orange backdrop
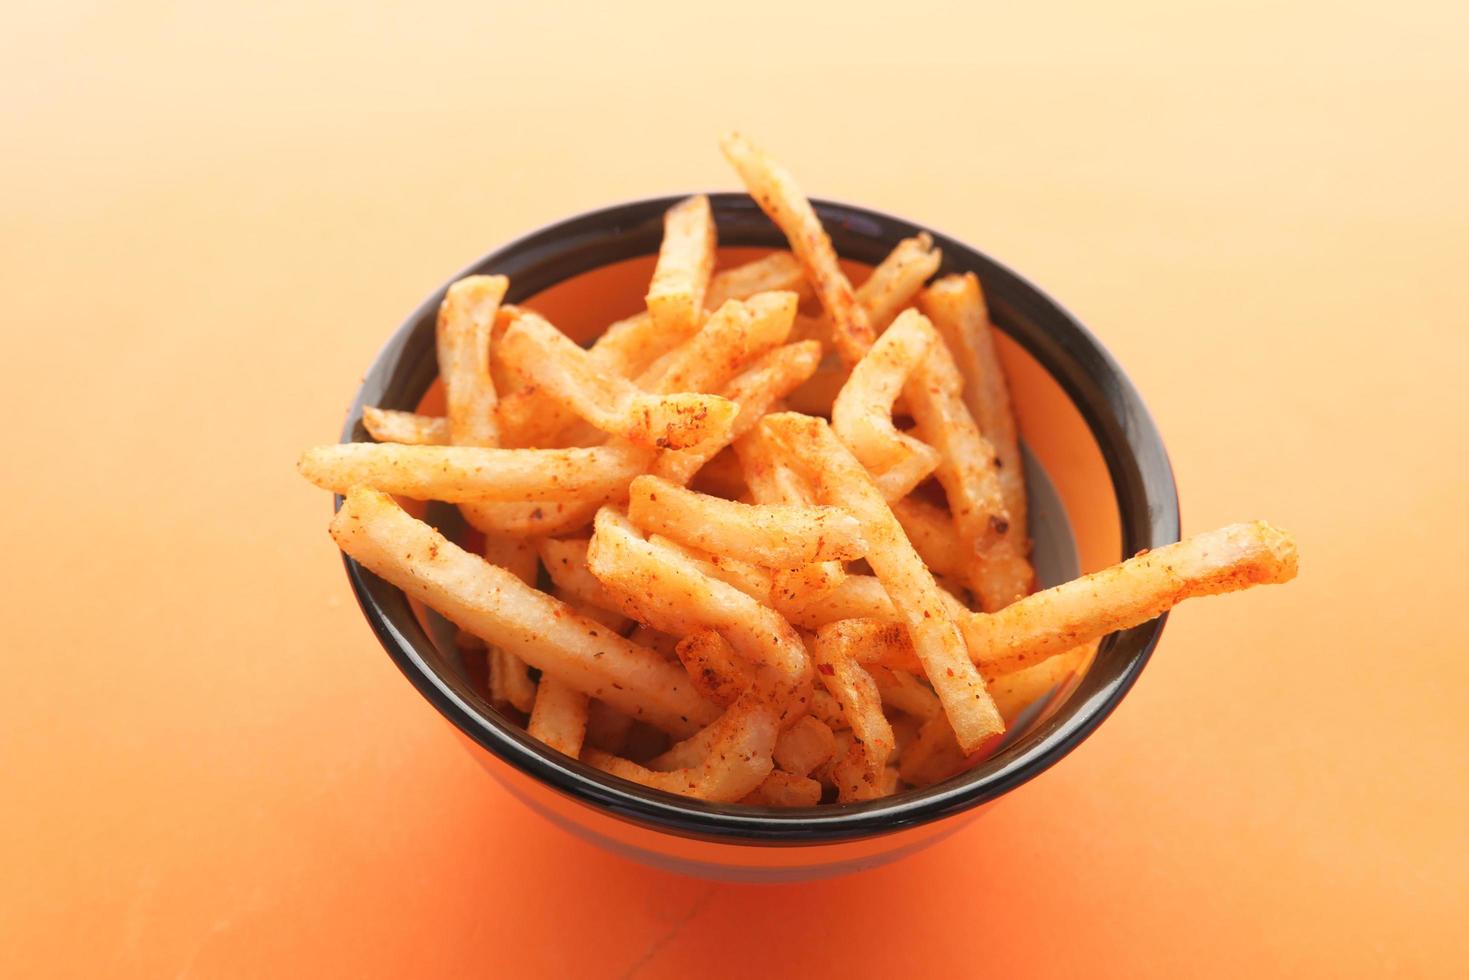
<point>210,220</point>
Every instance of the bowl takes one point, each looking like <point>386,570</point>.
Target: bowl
<point>1102,490</point>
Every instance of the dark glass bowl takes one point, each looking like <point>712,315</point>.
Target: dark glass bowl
<point>1146,516</point>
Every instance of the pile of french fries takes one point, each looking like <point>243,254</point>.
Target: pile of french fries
<point>762,542</point>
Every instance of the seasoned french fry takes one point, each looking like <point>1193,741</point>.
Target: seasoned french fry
<point>732,338</point>
<point>907,693</point>
<point>843,481</point>
<point>1018,690</point>
<point>783,789</point>
<point>854,689</point>
<point>856,597</point>
<point>548,359</point>
<point>805,583</point>
<point>778,195</point>
<point>825,709</point>
<point>753,392</point>
<point>388,425</point>
<point>776,272</point>
<point>496,605</point>
<point>715,670</point>
<point>862,413</point>
<point>804,746</point>
<point>662,588</point>
<point>934,755</point>
<point>509,681</point>
<point>659,642</point>
<point>931,531</point>
<point>685,261</point>
<point>468,474</point>
<point>772,535</point>
<point>737,761</point>
<point>466,317</point>
<point>752,580</point>
<point>559,716</point>
<point>532,518</point>
<point>566,562</point>
<point>898,279</point>
<point>849,773</point>
<point>1125,595</point>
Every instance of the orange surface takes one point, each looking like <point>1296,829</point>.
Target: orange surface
<point>209,221</point>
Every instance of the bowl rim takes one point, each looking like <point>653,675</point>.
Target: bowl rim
<point>1106,399</point>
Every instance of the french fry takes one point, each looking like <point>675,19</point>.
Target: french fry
<point>825,709</point>
<point>559,716</point>
<point>661,643</point>
<point>753,392</point>
<point>566,562</point>
<point>778,195</point>
<point>685,260</point>
<point>466,317</point>
<point>856,597</point>
<point>772,535</point>
<point>805,583</point>
<point>387,425</point>
<point>934,755</point>
<point>715,670</point>
<point>509,681</point>
<point>848,772</point>
<point>898,279</point>
<point>732,338</point>
<point>1125,595</point>
<point>862,413</point>
<point>783,789</point>
<point>1018,690</point>
<point>854,689</point>
<point>752,580</point>
<point>660,587</point>
<point>804,746</point>
<point>496,605</point>
<point>843,481</point>
<point>737,761</point>
<point>906,693</point>
<point>469,474</point>
<point>532,518</point>
<point>931,531</point>
<point>548,359</point>
<point>956,307</point>
<point>776,272</point>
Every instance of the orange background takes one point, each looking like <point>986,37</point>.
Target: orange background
<point>210,221</point>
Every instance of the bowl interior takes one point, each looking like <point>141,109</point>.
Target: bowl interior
<point>1099,484</point>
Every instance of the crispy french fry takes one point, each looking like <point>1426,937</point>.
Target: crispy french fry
<point>1018,690</point>
<point>804,746</point>
<point>854,689</point>
<point>548,359</point>
<point>898,279</point>
<point>388,425</point>
<point>715,670</point>
<point>776,272</point>
<point>855,597</point>
<point>849,773</point>
<point>862,414</point>
<point>825,709</point>
<point>559,716</point>
<point>1125,595</point>
<point>805,583</point>
<point>956,307</point>
<point>772,535</point>
<point>660,587</point>
<point>783,789</point>
<point>752,580</point>
<point>685,261</point>
<point>903,691</point>
<point>469,474</point>
<point>843,481</point>
<point>509,681</point>
<point>732,338</point>
<point>737,761</point>
<point>931,531</point>
<point>466,317</point>
<point>498,606</point>
<point>566,562</point>
<point>778,195</point>
<point>661,643</point>
<point>753,392</point>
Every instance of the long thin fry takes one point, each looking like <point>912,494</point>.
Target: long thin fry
<point>566,562</point>
<point>1018,690</point>
<point>784,789</point>
<point>931,530</point>
<point>388,425</point>
<point>466,317</point>
<point>497,606</point>
<point>509,680</point>
<point>732,338</point>
<point>776,272</point>
<point>779,196</point>
<point>685,260</point>
<point>559,716</point>
<point>714,668</point>
<point>894,283</point>
<point>856,692</point>
<point>843,481</point>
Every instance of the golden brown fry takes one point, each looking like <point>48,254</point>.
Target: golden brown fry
<point>905,692</point>
<point>466,317</point>
<point>1142,588</point>
<point>776,272</point>
<point>772,535</point>
<point>662,643</point>
<point>685,260</point>
<point>658,586</point>
<point>532,518</point>
<point>856,597</point>
<point>509,681</point>
<point>778,195</point>
<point>559,716</point>
<point>566,562</point>
<point>825,709</point>
<point>934,755</point>
<point>736,762</point>
<point>753,391</point>
<point>715,670</point>
<point>752,580</point>
<point>898,279</point>
<point>469,474</point>
<point>548,359</point>
<point>804,746</point>
<point>805,583</point>
<point>931,531</point>
<point>410,428</point>
<point>842,480</point>
<point>854,689</point>
<point>497,606</point>
<point>1018,690</point>
<point>862,414</point>
<point>783,789</point>
<point>732,338</point>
